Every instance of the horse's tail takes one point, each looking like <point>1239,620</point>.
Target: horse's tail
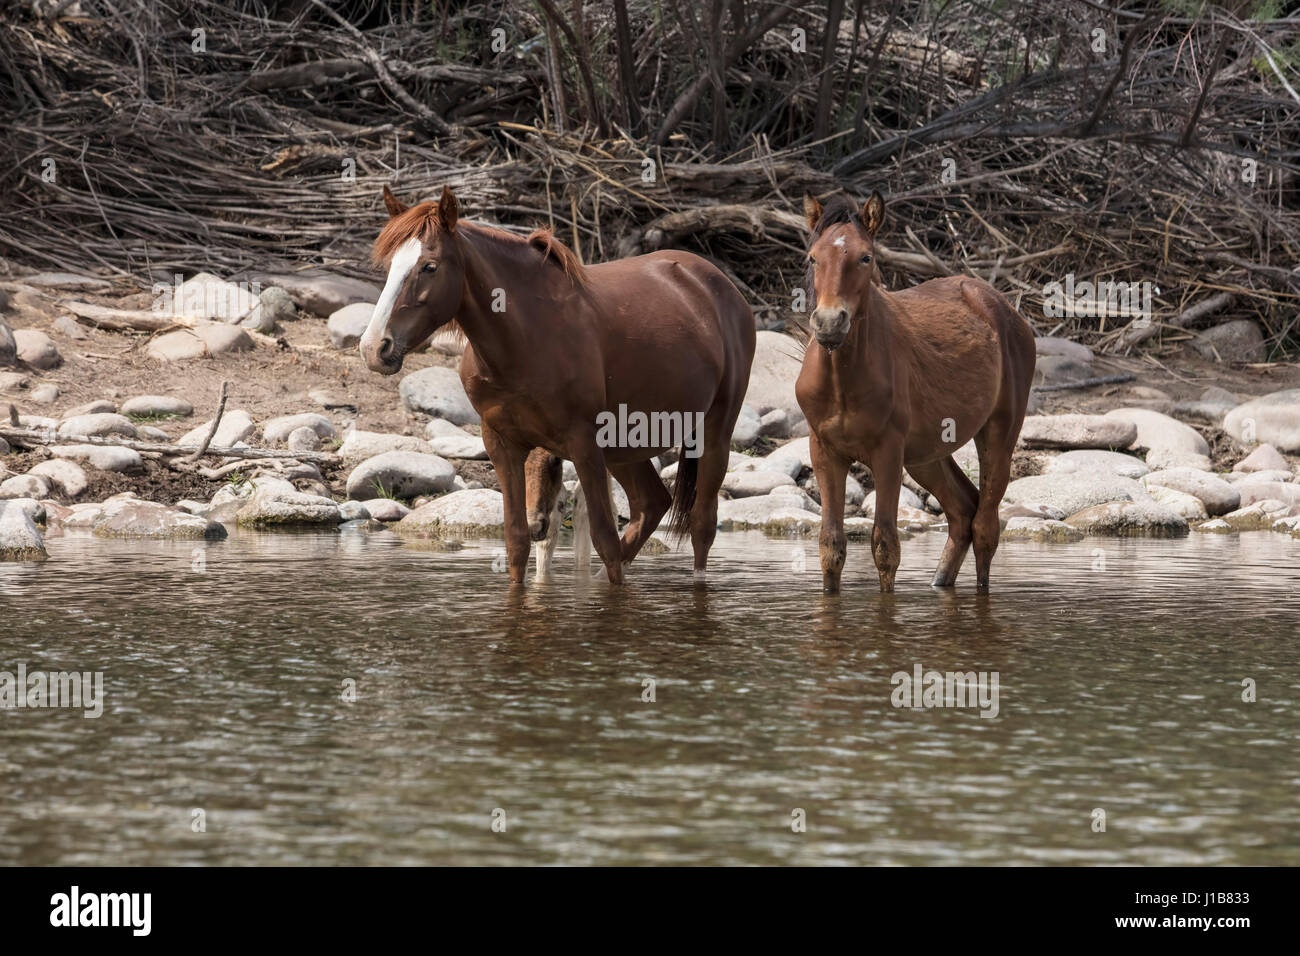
<point>679,520</point>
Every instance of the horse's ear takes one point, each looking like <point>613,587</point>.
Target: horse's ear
<point>448,210</point>
<point>873,213</point>
<point>812,211</point>
<point>392,204</point>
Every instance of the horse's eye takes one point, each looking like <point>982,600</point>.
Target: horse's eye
<point>866,260</point>
<point>430,267</point>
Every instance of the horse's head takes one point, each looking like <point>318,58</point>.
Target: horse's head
<point>842,263</point>
<point>543,482</point>
<point>426,279</point>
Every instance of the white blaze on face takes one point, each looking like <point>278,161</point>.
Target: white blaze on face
<point>839,242</point>
<point>403,262</point>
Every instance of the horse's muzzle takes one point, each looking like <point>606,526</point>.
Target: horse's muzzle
<point>538,525</point>
<point>384,357</point>
<point>829,327</point>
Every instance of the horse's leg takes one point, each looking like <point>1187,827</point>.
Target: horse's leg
<point>831,471</point>
<point>508,461</point>
<point>647,499</point>
<point>589,461</point>
<point>946,481</point>
<point>546,547</point>
<point>996,443</point>
<point>711,469</point>
<point>887,470</point>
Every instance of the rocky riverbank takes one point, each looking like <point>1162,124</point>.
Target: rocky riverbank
<point>1200,446</point>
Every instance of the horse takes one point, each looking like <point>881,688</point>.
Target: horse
<point>543,484</point>
<point>555,347</point>
<point>901,380</point>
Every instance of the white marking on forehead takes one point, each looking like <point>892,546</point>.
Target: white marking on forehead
<point>839,242</point>
<point>404,261</point>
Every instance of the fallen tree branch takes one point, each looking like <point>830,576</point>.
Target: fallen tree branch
<point>1087,383</point>
<point>1133,335</point>
<point>45,436</point>
<point>212,429</point>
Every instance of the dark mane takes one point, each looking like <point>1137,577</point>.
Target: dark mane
<point>838,209</point>
<point>552,248</point>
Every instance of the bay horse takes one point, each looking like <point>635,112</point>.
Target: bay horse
<point>552,345</point>
<point>901,380</point>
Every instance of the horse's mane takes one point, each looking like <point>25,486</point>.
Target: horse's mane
<point>565,258</point>
<point>838,208</point>
<point>421,222</point>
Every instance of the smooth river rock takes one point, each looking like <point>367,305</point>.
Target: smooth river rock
<point>25,486</point>
<point>1272,418</point>
<point>133,518</point>
<point>772,513</point>
<point>65,475</point>
<point>157,406</point>
<point>400,474</point>
<point>36,349</point>
<point>472,513</point>
<point>1074,492</point>
<point>275,506</point>
<point>1023,528</point>
<point>746,484</point>
<point>1076,431</point>
<point>1124,519</point>
<point>1088,461</point>
<point>358,445</point>
<point>452,441</point>
<point>1217,495</point>
<point>236,425</point>
<point>348,324</point>
<point>1169,443</point>
<point>278,429</point>
<point>438,392</point>
<point>1263,458</point>
<point>20,539</point>
<point>777,360</point>
<point>103,457</point>
<point>96,425</point>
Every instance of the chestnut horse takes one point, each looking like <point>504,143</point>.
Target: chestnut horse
<point>901,380</point>
<point>553,346</point>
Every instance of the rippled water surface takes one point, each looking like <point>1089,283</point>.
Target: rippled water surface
<point>1120,670</point>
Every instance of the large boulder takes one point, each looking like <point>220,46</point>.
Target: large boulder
<point>236,425</point>
<point>358,445</point>
<point>746,484</point>
<point>777,360</point>
<point>275,506</point>
<point>206,338</point>
<point>1272,418</point>
<point>101,424</point>
<point>348,324</point>
<point>1089,461</point>
<point>772,513</point>
<point>1076,431</point>
<point>1168,442</point>
<point>1263,458</point>
<point>157,406</point>
<point>438,392</point>
<point>129,517</point>
<point>24,486</point>
<point>401,474</point>
<point>206,296</point>
<point>20,539</point>
<point>323,293</point>
<point>1125,519</point>
<point>1027,528</point>
<point>65,475</point>
<point>451,441</point>
<point>277,430</point>
<point>1237,341</point>
<point>1072,492</point>
<point>36,349</point>
<point>103,457</point>
<point>1217,495</point>
<point>472,513</point>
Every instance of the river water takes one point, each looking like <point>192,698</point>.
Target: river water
<point>498,725</point>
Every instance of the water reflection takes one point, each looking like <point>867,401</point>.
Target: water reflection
<point>1121,666</point>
